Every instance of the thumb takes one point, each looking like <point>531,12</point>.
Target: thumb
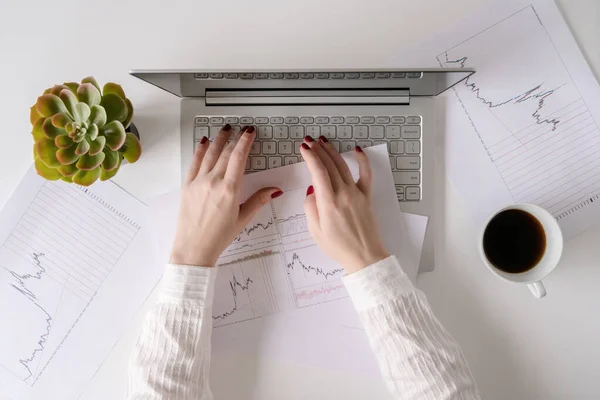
<point>255,202</point>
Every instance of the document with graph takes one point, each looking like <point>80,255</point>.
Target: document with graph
<point>75,266</point>
<point>274,275</point>
<point>528,118</point>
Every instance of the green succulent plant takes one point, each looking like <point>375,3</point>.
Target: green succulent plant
<point>80,132</point>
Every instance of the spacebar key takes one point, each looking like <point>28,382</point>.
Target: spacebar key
<point>407,177</point>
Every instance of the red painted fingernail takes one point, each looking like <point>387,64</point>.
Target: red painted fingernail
<point>203,140</point>
<point>323,139</point>
<point>227,128</point>
<point>276,194</point>
<point>309,139</point>
<point>359,149</point>
<point>305,146</point>
<point>250,129</point>
<point>310,190</point>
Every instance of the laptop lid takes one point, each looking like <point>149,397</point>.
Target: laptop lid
<point>415,82</point>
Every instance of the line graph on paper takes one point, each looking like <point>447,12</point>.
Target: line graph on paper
<point>50,271</point>
<point>528,114</point>
<point>274,265</point>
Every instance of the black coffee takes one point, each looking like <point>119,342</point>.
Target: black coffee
<point>514,241</point>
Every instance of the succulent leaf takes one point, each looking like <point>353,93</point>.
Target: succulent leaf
<point>129,118</point>
<point>112,159</point>
<point>33,115</point>
<point>46,172</point>
<point>68,170</point>
<point>88,162</point>
<point>67,156</point>
<point>132,149</point>
<point>81,113</point>
<point>115,134</point>
<point>86,178</point>
<point>48,104</point>
<point>63,142</point>
<point>113,88</point>
<point>57,89</point>
<point>97,145</point>
<point>50,130</point>
<point>37,131</point>
<point>88,94</point>
<point>98,116</point>
<point>70,100</point>
<point>83,147</point>
<point>106,175</point>
<point>92,132</point>
<point>45,149</point>
<point>115,107</point>
<point>92,80</point>
<point>60,120</point>
<point>72,85</point>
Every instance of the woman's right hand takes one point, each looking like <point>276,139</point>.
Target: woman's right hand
<point>339,211</point>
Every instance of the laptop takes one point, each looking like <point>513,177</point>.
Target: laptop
<point>349,107</point>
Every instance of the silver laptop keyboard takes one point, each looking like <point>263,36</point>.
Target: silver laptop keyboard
<point>278,141</point>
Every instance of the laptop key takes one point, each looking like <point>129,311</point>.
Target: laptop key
<point>407,177</point>
<point>280,132</point>
<point>413,120</point>
<point>291,75</point>
<point>408,163</point>
<point>214,130</point>
<point>265,132</point>
<point>248,164</point>
<point>344,132</point>
<point>347,145</point>
<point>337,75</point>
<point>392,132</point>
<point>376,132</point>
<point>232,120</point>
<point>255,149</point>
<point>352,75</point>
<point>277,120</point>
<point>336,144</point>
<point>306,75</point>
<point>322,75</point>
<point>413,147</point>
<point>269,148</point>
<point>336,120</point>
<point>285,147</point>
<point>201,121</point>
<point>382,75</point>
<point>328,131</point>
<point>201,131</point>
<point>360,132</point>
<point>275,162</point>
<point>216,121</point>
<point>313,130</point>
<point>398,120</point>
<point>246,120</point>
<point>322,120</point>
<point>364,143</point>
<point>258,163</point>
<point>276,75</point>
<point>261,75</point>
<point>396,147</point>
<point>413,193</point>
<point>352,120</point>
<point>215,76</point>
<point>378,142</point>
<point>297,132</point>
<point>393,162</point>
<point>411,132</point>
<point>367,120</point>
<point>262,120</point>
<point>297,147</point>
<point>382,120</point>
<point>307,120</point>
<point>290,160</point>
<point>291,120</point>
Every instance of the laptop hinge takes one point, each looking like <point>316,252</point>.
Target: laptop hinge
<point>307,97</point>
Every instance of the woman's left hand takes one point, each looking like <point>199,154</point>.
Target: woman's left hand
<point>211,212</point>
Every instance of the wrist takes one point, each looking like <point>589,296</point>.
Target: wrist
<point>199,259</point>
<point>363,260</point>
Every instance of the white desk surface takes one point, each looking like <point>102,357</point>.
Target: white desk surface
<point>517,347</point>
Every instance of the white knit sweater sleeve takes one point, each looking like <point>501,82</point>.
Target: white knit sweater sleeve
<point>417,356</point>
<point>171,359</point>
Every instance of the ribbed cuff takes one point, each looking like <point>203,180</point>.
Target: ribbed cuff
<point>190,285</point>
<point>380,282</point>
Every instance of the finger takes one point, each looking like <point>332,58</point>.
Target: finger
<point>215,149</point>
<point>337,159</point>
<point>318,172</point>
<point>311,210</point>
<point>364,170</point>
<point>255,202</point>
<point>220,167</point>
<point>237,160</point>
<point>334,174</point>
<point>197,160</point>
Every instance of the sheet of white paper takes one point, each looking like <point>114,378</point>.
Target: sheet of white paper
<point>528,118</point>
<point>75,266</point>
<point>276,290</point>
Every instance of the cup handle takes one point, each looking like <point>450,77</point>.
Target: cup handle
<point>537,288</point>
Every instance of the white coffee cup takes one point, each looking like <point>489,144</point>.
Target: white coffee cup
<point>549,260</point>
